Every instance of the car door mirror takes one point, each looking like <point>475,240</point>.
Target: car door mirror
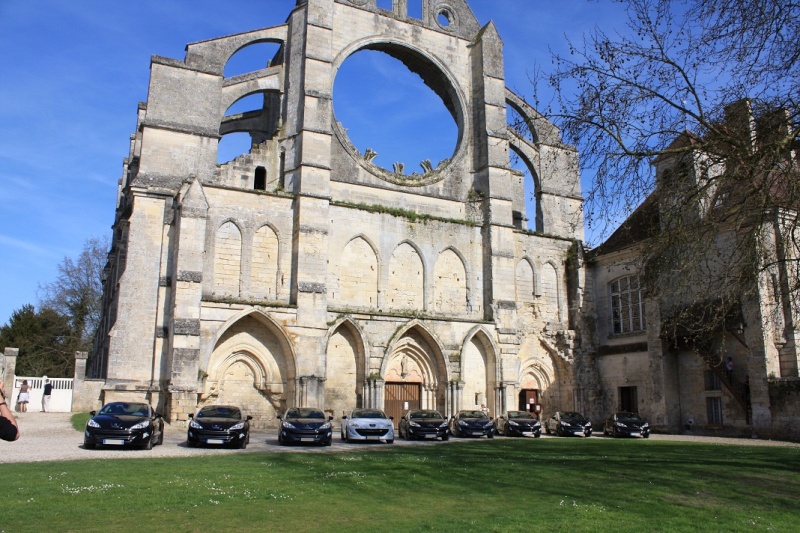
<point>280,417</point>
<point>191,415</point>
<point>391,418</point>
<point>158,415</point>
<point>93,413</point>
<point>330,419</point>
<point>249,417</point>
<point>344,417</point>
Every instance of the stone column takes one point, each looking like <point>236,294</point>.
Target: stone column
<point>9,367</point>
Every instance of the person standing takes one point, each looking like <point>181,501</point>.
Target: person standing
<point>48,390</point>
<point>24,396</point>
<point>729,369</point>
<point>9,430</point>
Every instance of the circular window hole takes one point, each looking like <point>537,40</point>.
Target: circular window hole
<point>444,18</point>
<point>387,109</point>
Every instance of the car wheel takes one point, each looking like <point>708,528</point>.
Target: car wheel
<point>191,444</point>
<point>161,437</point>
<point>243,445</point>
<point>89,445</point>
<point>344,436</point>
<point>547,429</point>
<point>390,441</point>
<point>328,442</point>
<point>445,437</point>
<point>646,435</point>
<point>491,435</point>
<point>149,444</point>
<point>537,435</point>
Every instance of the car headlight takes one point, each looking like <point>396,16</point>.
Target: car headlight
<point>326,425</point>
<point>443,424</point>
<point>645,425</point>
<point>413,424</point>
<point>512,423</point>
<point>287,425</point>
<point>588,424</point>
<point>195,425</point>
<point>141,425</point>
<point>620,425</point>
<point>537,424</point>
<point>92,424</point>
<point>235,427</point>
<point>462,423</point>
<point>488,424</point>
<point>354,425</point>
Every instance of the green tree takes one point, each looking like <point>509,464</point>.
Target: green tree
<point>44,339</point>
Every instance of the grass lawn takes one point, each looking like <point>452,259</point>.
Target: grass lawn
<point>500,485</point>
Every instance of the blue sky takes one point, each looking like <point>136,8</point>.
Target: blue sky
<point>72,73</point>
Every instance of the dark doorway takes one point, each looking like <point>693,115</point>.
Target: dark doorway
<point>628,400</point>
<point>528,398</point>
<point>396,396</point>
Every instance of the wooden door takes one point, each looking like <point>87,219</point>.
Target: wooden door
<point>397,394</point>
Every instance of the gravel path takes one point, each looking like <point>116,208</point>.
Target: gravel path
<point>50,437</point>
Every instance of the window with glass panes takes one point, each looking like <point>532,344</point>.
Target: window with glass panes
<point>627,306</point>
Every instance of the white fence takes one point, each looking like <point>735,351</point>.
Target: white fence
<point>60,399</point>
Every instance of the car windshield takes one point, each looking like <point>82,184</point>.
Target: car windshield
<point>573,417</point>
<point>473,414</point>
<point>629,417</point>
<point>368,413</point>
<point>417,415</point>
<point>123,408</point>
<point>305,413</point>
<point>219,411</point>
<point>520,414</point>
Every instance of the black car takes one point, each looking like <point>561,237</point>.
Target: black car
<point>300,424</point>
<point>567,424</point>
<point>221,425</point>
<point>423,424</point>
<point>471,424</point>
<point>625,424</point>
<point>518,424</point>
<point>124,424</point>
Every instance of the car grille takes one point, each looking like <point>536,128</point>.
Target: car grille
<point>372,432</point>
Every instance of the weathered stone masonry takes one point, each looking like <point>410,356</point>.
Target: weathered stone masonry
<point>303,274</point>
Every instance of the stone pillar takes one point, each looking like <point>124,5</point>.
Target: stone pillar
<point>455,391</point>
<point>311,391</point>
<point>9,367</point>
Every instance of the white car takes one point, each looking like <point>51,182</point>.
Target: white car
<point>367,424</point>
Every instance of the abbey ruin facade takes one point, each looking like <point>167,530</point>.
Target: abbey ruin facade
<point>303,274</point>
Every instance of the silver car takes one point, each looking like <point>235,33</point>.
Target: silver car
<point>367,424</point>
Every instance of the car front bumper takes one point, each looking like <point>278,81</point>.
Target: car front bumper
<point>631,432</point>
<point>475,431</point>
<point>306,435</point>
<point>522,431</point>
<point>225,438</point>
<point>370,433</point>
<point>107,437</point>
<point>427,433</point>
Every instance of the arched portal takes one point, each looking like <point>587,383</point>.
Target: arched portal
<point>344,370</point>
<point>251,366</point>
<point>479,374</point>
<point>414,374</point>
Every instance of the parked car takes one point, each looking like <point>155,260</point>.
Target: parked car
<point>305,424</point>
<point>423,424</point>
<point>219,424</point>
<point>518,424</point>
<point>471,424</point>
<point>625,424</point>
<point>568,423</point>
<point>368,424</point>
<point>124,424</point>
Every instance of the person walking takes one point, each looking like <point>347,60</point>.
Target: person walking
<point>48,390</point>
<point>9,430</point>
<point>24,396</point>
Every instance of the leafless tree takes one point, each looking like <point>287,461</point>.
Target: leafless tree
<point>713,87</point>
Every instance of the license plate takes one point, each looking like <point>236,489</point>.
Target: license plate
<point>215,441</point>
<point>635,434</point>
<point>307,439</point>
<point>527,432</point>
<point>430,436</point>
<point>477,433</point>
<point>113,442</point>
